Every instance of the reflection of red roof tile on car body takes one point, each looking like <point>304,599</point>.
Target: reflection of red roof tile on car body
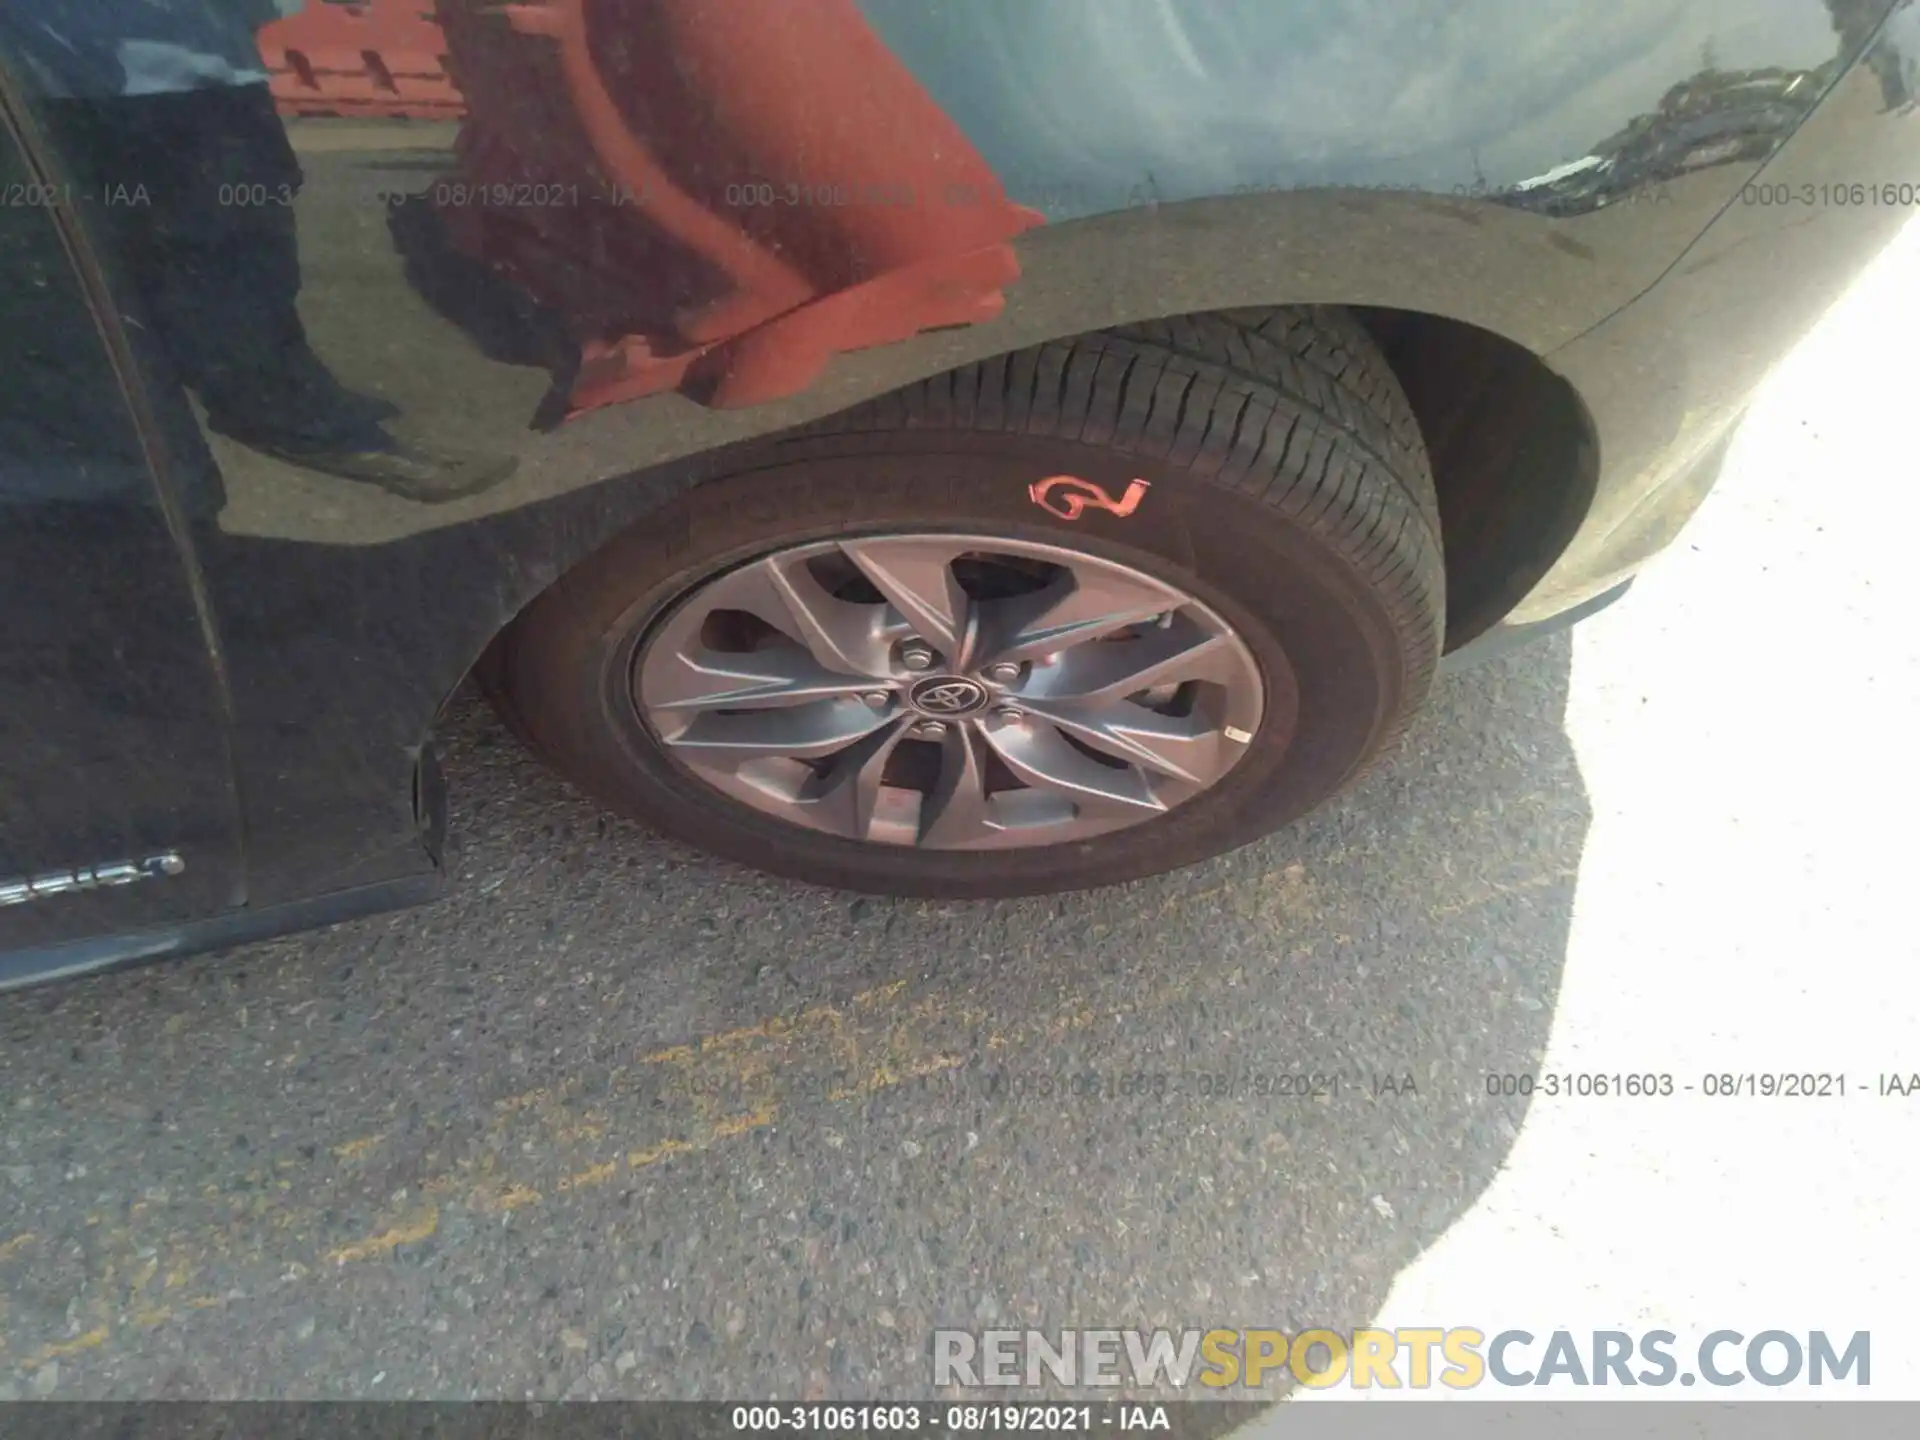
<point>384,58</point>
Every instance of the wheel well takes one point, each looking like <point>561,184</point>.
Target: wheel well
<point>1515,459</point>
<point>1513,451</point>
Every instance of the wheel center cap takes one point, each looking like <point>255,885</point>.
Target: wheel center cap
<point>946,696</point>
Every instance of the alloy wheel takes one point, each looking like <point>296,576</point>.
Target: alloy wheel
<point>948,691</point>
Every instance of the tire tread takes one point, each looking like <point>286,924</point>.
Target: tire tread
<point>1294,407</point>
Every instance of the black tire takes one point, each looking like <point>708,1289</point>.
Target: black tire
<point>1289,490</point>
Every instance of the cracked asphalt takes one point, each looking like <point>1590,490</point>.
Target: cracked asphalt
<point>616,1120</point>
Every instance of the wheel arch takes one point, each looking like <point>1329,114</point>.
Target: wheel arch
<point>1514,452</point>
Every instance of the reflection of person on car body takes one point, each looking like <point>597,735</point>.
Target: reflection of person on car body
<point>167,100</point>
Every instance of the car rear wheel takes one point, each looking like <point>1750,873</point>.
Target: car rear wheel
<point>1068,617</point>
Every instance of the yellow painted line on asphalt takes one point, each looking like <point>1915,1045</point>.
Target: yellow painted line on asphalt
<point>589,1177</point>
<point>654,1154</point>
<point>514,1197</point>
<point>92,1340</point>
<point>706,1092</point>
<point>778,1028</point>
<point>723,1086</point>
<point>526,1101</point>
<point>408,1232</point>
<point>741,1124</point>
<point>884,1077</point>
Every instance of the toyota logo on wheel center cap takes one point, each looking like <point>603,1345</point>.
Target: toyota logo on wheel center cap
<point>948,695</point>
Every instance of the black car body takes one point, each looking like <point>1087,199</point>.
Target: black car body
<point>1578,234</point>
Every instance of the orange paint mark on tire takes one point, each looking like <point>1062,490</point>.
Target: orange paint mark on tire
<point>1068,496</point>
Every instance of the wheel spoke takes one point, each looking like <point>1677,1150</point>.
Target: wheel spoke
<point>760,679</point>
<point>1113,670</point>
<point>917,577</point>
<point>844,799</point>
<point>1072,610</point>
<point>800,732</point>
<point>1039,755</point>
<point>841,636</point>
<point>955,813</point>
<point>1182,747</point>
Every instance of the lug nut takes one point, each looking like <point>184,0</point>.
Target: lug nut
<point>930,729</point>
<point>1008,714</point>
<point>916,657</point>
<point>877,699</point>
<point>1005,673</point>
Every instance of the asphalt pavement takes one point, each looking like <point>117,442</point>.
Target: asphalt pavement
<point>613,1119</point>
